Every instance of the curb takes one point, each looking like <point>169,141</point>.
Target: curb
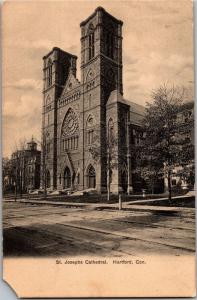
<point>125,206</point>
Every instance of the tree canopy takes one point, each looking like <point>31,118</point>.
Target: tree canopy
<point>167,139</point>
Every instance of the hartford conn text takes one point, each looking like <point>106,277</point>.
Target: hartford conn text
<point>99,261</point>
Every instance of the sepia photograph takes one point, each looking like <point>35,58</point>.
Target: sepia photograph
<point>98,171</point>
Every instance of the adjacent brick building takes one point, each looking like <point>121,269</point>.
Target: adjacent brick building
<point>24,168</point>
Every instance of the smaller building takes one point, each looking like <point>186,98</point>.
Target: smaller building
<point>33,168</point>
<point>183,176</point>
<point>24,169</point>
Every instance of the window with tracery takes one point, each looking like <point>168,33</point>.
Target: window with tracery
<point>70,131</point>
<point>71,143</point>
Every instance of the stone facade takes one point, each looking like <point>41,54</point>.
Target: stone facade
<point>81,115</point>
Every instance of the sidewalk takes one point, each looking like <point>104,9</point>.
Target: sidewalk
<point>188,195</point>
<point>130,205</point>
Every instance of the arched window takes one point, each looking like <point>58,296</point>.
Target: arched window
<point>90,130</point>
<point>91,41</point>
<point>49,73</point>
<point>67,178</point>
<point>48,179</point>
<point>110,42</point>
<point>91,176</point>
<point>70,131</point>
<point>90,137</point>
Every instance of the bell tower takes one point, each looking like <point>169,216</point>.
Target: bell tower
<point>57,66</point>
<point>101,73</point>
<point>101,48</point>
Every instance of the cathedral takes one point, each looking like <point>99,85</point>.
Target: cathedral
<point>88,128</point>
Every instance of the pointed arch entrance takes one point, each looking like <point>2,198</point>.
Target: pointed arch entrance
<point>91,177</point>
<point>67,178</point>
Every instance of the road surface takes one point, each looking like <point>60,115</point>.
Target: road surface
<point>46,230</point>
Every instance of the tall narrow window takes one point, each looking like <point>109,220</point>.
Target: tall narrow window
<point>91,41</point>
<point>110,44</point>
<point>91,45</point>
<point>72,143</point>
<point>49,73</point>
<point>90,137</point>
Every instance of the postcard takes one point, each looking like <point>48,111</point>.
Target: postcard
<point>98,148</point>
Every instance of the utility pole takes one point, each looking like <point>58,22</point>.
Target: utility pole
<point>108,174</point>
<point>43,163</point>
<point>108,163</point>
<point>128,158</point>
<point>18,179</point>
<point>20,175</point>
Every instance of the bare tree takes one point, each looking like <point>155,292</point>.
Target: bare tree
<point>18,165</point>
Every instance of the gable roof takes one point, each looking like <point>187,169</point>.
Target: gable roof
<point>115,96</point>
<point>71,83</point>
<point>136,108</point>
<point>137,111</point>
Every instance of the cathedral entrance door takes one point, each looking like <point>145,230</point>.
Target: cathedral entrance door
<point>91,177</point>
<point>67,178</point>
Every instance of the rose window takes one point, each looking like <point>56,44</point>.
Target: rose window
<point>70,124</point>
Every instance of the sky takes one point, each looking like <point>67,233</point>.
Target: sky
<point>157,49</point>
